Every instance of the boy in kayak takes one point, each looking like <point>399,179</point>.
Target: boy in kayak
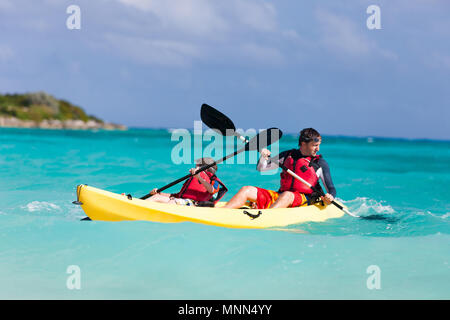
<point>198,189</point>
<point>305,162</point>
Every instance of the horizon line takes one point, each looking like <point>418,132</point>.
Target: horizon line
<point>325,135</point>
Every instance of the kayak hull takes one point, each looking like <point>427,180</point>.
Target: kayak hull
<point>103,205</point>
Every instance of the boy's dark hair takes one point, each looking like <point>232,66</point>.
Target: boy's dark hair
<point>308,135</point>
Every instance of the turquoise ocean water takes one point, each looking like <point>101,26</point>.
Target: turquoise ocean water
<point>41,234</point>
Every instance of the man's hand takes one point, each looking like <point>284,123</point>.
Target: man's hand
<point>193,171</point>
<point>265,153</point>
<point>328,198</point>
<point>154,191</point>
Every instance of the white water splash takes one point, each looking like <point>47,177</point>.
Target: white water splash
<point>363,206</point>
<point>443,217</point>
<point>37,206</point>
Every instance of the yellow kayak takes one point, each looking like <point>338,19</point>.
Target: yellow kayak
<point>103,205</point>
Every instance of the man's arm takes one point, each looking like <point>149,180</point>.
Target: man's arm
<point>326,177</point>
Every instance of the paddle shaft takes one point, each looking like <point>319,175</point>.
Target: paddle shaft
<point>201,169</point>
<point>293,174</point>
<point>318,190</point>
<point>243,139</point>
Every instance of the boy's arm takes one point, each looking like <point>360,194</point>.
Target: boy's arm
<point>209,187</point>
<point>161,193</point>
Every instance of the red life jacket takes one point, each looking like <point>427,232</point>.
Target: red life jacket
<point>194,190</point>
<point>305,168</point>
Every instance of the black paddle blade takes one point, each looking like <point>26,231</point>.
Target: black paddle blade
<point>381,217</point>
<point>216,120</point>
<point>264,139</point>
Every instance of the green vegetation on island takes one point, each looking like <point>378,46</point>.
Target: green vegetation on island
<point>40,109</point>
<point>38,106</point>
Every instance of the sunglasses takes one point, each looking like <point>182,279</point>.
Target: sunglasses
<point>307,139</point>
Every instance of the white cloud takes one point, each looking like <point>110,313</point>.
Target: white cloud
<point>6,53</point>
<point>439,60</point>
<point>342,35</point>
<point>195,17</point>
<point>209,18</point>
<point>187,30</point>
<point>291,34</point>
<point>74,67</point>
<point>6,4</point>
<point>257,15</point>
<point>151,51</point>
<point>262,54</point>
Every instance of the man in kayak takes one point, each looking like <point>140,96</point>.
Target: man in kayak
<point>305,162</point>
<point>197,190</point>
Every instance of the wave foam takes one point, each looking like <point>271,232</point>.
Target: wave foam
<point>40,206</point>
<point>362,206</point>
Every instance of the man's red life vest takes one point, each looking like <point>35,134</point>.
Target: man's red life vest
<point>305,168</point>
<point>194,190</point>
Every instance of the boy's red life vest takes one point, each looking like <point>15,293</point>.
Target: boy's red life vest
<point>194,190</point>
<point>305,168</point>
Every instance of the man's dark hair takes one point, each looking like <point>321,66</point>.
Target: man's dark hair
<point>307,135</point>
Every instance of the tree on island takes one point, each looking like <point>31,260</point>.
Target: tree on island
<point>42,108</point>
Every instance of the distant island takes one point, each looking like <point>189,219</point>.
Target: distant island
<point>42,110</point>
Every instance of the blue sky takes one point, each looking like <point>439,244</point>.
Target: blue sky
<point>286,63</point>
